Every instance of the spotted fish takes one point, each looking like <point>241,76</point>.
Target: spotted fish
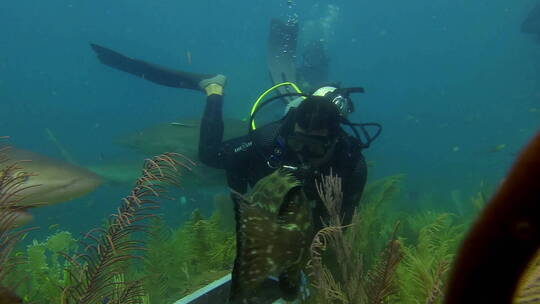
<point>274,230</point>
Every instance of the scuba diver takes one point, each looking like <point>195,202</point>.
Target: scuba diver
<point>309,141</point>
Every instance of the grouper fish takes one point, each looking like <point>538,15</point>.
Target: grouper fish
<point>50,181</point>
<point>274,231</point>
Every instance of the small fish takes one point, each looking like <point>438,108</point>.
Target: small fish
<point>498,148</point>
<point>455,148</point>
<point>8,297</point>
<point>274,230</point>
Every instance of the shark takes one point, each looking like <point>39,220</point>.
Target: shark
<point>46,181</point>
<point>126,171</point>
<point>181,137</point>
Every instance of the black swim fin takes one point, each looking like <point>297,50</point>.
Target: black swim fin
<point>151,72</point>
<point>281,58</point>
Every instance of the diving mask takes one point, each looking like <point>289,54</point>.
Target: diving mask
<point>337,97</point>
<point>312,146</point>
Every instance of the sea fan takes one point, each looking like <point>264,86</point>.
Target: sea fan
<point>94,275</point>
<point>425,265</point>
<point>342,279</point>
<point>12,179</point>
<point>381,281</point>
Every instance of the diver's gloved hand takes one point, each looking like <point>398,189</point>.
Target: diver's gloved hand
<point>213,85</point>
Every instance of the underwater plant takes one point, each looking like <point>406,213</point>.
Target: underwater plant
<point>54,272</point>
<point>43,273</point>
<point>182,259</point>
<point>422,275</point>
<point>92,274</point>
<point>348,281</point>
<point>375,222</point>
<point>224,210</point>
<point>11,184</point>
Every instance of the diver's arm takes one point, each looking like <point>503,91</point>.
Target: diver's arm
<point>353,188</point>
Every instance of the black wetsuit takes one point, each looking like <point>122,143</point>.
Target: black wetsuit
<point>245,162</point>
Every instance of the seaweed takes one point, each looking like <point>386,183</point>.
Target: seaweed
<point>43,273</point>
<point>100,273</point>
<point>365,262</point>
<point>381,280</point>
<point>54,272</point>
<point>182,259</point>
<point>423,272</point>
<point>12,179</point>
<point>348,282</point>
<point>223,206</point>
<point>158,261</point>
<point>353,265</point>
<point>106,250</point>
<point>374,223</point>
